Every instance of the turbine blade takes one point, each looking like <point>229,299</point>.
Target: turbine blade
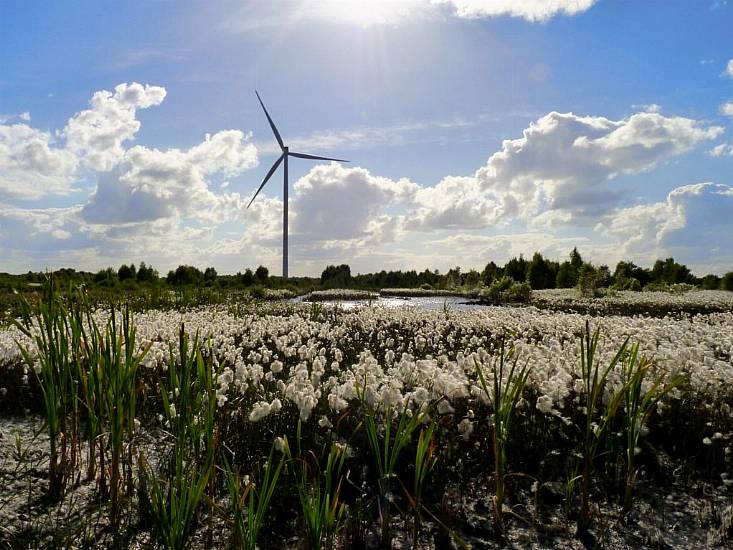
<point>314,157</point>
<point>267,177</point>
<point>272,124</point>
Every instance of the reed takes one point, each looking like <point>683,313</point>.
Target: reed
<point>504,395</point>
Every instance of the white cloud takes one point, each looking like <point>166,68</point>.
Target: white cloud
<point>693,225</point>
<point>563,162</point>
<point>648,107</point>
<point>722,150</point>
<point>504,246</point>
<point>336,203</point>
<point>729,69</point>
<point>171,206</point>
<point>37,230</point>
<point>96,134</point>
<point>394,12</point>
<point>148,203</point>
<point>454,203</point>
<point>726,108</point>
<point>149,184</point>
<point>531,10</point>
<point>31,165</point>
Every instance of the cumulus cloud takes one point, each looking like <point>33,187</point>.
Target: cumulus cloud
<point>726,108</point>
<point>722,150</point>
<point>41,231</point>
<point>559,173</point>
<point>454,203</point>
<point>560,168</point>
<point>147,202</point>
<point>501,247</point>
<point>693,224</point>
<point>31,165</point>
<point>96,134</point>
<point>394,12</point>
<point>531,10</point>
<point>334,202</point>
<point>171,205</point>
<point>148,184</point>
<point>729,69</point>
<point>335,214</point>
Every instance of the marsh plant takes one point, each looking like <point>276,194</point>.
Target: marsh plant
<point>319,492</point>
<point>598,415</point>
<point>640,399</point>
<point>387,437</point>
<point>378,375</point>
<point>250,499</point>
<point>425,459</point>
<point>508,383</point>
<point>55,341</point>
<point>189,403</point>
<point>119,361</point>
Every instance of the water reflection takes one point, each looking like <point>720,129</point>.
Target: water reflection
<point>421,302</point>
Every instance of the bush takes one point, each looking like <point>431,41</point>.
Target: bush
<point>587,282</point>
<point>711,282</point>
<point>505,290</point>
<point>627,283</point>
<point>632,284</point>
<point>727,282</point>
<point>518,292</point>
<point>257,291</point>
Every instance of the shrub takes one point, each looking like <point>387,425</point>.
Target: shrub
<point>587,282</point>
<point>727,282</point>
<point>506,289</point>
<point>518,292</point>
<point>632,284</point>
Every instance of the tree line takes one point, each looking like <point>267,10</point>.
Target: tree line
<point>539,272</point>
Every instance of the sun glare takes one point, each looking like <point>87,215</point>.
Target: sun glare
<point>365,13</point>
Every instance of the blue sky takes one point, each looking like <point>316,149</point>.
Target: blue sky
<point>615,113</point>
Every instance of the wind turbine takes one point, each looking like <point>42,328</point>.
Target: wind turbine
<point>284,157</point>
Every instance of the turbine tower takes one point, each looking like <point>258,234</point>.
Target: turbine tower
<point>284,157</point>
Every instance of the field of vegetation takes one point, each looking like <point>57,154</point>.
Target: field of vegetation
<point>245,423</point>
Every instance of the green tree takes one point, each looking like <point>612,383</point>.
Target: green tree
<point>566,277</point>
<point>587,281</point>
<point>603,276</point>
<point>453,277</point>
<point>210,275</point>
<point>490,273</point>
<point>727,282</point>
<point>472,279</point>
<point>576,259</point>
<point>126,272</point>
<point>538,273</point>
<point>628,270</point>
<point>336,276</point>
<point>516,268</point>
<point>711,282</point>
<point>247,278</point>
<point>262,275</point>
<point>146,274</point>
<point>185,275</point>
<point>105,277</point>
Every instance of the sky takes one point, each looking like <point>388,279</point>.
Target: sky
<point>476,130</point>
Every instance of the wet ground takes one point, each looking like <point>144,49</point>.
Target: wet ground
<point>685,515</point>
